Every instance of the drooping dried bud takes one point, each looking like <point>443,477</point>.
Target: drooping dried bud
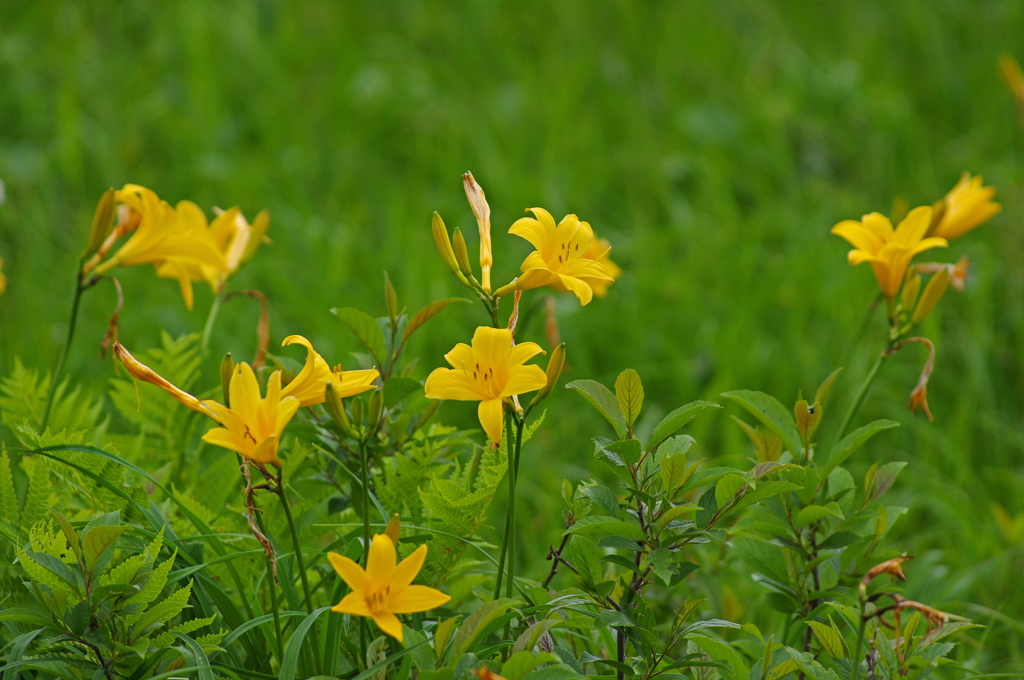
<point>485,673</point>
<point>332,402</point>
<point>482,212</point>
<point>394,528</point>
<point>102,222</point>
<point>934,616</point>
<point>933,292</point>
<point>140,371</point>
<point>893,567</point>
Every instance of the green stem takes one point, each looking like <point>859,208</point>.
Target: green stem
<point>509,510</point>
<point>64,352</point>
<point>210,320</point>
<point>273,594</point>
<point>364,479</point>
<point>510,586</point>
<point>861,393</point>
<point>302,569</point>
<point>855,658</point>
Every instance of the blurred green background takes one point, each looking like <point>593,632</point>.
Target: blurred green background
<point>714,144</point>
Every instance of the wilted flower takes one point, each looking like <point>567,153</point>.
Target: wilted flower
<point>889,251</point>
<point>482,212</point>
<point>965,207</point>
<point>310,385</point>
<point>560,257</point>
<point>252,425</point>
<point>489,371</point>
<point>383,589</point>
<point>893,567</point>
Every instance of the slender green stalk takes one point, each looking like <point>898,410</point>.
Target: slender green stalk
<point>510,586</point>
<point>855,657</point>
<point>364,479</point>
<point>861,393</point>
<point>302,569</point>
<point>509,510</point>
<point>210,320</point>
<point>273,594</point>
<point>75,301</point>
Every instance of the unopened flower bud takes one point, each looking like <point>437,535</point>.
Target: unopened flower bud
<point>332,402</point>
<point>911,289</point>
<point>444,245</point>
<point>227,369</point>
<point>461,253</point>
<point>555,365</point>
<point>376,406</point>
<point>394,528</point>
<point>102,222</point>
<point>933,292</point>
<point>482,212</point>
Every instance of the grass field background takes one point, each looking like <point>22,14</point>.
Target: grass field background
<point>714,144</point>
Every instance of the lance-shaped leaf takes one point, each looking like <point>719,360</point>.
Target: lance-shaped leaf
<point>677,419</point>
<point>629,392</point>
<point>422,316</point>
<point>853,441</point>
<point>367,331</point>
<point>601,398</point>
<point>771,413</point>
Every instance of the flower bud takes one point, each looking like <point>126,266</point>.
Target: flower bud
<point>332,402</point>
<point>376,406</point>
<point>482,212</point>
<point>911,289</point>
<point>938,212</point>
<point>461,253</point>
<point>394,528</point>
<point>933,292</point>
<point>227,369</point>
<point>102,222</point>
<point>444,246</point>
<point>555,365</point>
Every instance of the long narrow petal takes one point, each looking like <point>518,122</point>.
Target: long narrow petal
<point>414,599</point>
<point>407,569</point>
<point>489,413</point>
<point>855,257</point>
<point>929,243</point>
<point>491,347</point>
<point>449,383</point>
<point>233,441</point>
<point>879,225</point>
<point>523,379</point>
<point>351,573</point>
<point>537,277</point>
<point>284,412</point>
<point>356,382</point>
<point>381,562</point>
<point>523,352</point>
<point>578,286</point>
<point>266,450</point>
<point>858,235</point>
<point>245,392</point>
<point>460,356</point>
<point>353,603</point>
<point>532,230</point>
<point>389,623</point>
<point>914,226</point>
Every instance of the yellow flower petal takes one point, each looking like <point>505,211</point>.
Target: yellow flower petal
<point>914,226</point>
<point>412,599</point>
<point>244,392</point>
<point>381,562</point>
<point>453,384</point>
<point>266,450</point>
<point>523,379</point>
<point>490,414</point>
<point>492,346</point>
<point>389,623</point>
<point>353,603</point>
<point>407,569</point>
<point>220,436</point>
<point>351,573</point>
<point>523,352</point>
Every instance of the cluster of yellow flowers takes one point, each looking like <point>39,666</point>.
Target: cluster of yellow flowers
<point>178,241</point>
<point>968,205</point>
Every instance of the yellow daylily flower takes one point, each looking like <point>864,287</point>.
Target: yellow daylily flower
<point>3,279</point>
<point>598,250</point>
<point>157,233</point>
<point>252,425</point>
<point>889,251</point>
<point>967,206</point>
<point>310,385</point>
<point>384,589</point>
<point>560,257</point>
<point>489,371</point>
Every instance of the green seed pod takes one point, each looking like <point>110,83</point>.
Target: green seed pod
<point>227,369</point>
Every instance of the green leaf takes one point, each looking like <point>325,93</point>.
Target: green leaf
<point>69,532</point>
<point>601,398</point>
<point>781,670</point>
<point>677,419</point>
<point>840,539</point>
<point>604,525</point>
<point>720,651</point>
<point>54,566</point>
<point>629,392</point>
<point>709,476</point>
<point>626,450</point>
<point>290,662</point>
<point>660,562</point>
<point>813,513</point>
<point>771,413</point>
<point>853,441</point>
<point>604,497</point>
<point>826,387</point>
<point>398,388</point>
<point>727,487</point>
<point>366,330</point>
<point>673,468</point>
<point>476,623</point>
<point>422,316</point>
<point>612,617</point>
<point>98,541</point>
<point>584,557</point>
<point>764,491</point>
<point>830,639</point>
